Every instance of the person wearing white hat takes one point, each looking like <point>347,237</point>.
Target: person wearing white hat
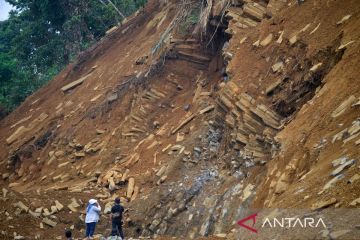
<point>93,210</point>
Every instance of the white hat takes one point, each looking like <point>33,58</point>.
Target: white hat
<point>92,201</point>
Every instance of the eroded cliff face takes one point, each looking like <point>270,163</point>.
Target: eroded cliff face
<point>194,131</point>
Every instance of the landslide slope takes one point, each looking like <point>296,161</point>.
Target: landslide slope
<point>192,138</point>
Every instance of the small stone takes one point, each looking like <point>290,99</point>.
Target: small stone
<point>315,67</point>
<point>332,181</point>
<point>339,161</point>
<point>99,131</point>
<point>342,167</point>
<point>161,180</point>
<point>281,187</point>
<point>187,107</point>
<point>97,174</point>
<point>355,202</point>
<point>5,176</point>
<point>59,154</point>
<point>267,40</point>
<point>79,154</point>
<point>156,124</point>
<point>354,178</point>
<point>4,191</point>
<point>324,204</point>
<point>49,222</point>
<point>58,205</point>
<point>293,40</point>
<point>197,149</point>
<point>221,235</point>
<point>19,237</point>
<point>22,206</point>
<point>335,235</point>
<point>344,19</point>
<point>278,67</point>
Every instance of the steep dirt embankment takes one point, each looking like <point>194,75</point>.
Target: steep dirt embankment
<point>193,138</point>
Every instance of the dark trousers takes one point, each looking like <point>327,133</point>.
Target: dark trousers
<point>117,228</point>
<point>90,229</point>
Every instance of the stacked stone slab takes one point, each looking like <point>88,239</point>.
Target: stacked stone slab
<point>254,125</point>
<point>188,50</point>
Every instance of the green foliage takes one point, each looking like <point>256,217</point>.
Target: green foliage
<point>42,36</point>
<point>191,20</point>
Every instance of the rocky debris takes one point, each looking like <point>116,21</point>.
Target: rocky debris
<point>5,176</point>
<point>270,89</point>
<point>4,192</point>
<point>135,193</point>
<point>355,202</point>
<point>336,234</point>
<point>354,178</point>
<point>293,39</point>
<point>22,206</point>
<point>207,109</point>
<point>141,60</point>
<point>49,222</point>
<point>58,205</point>
<point>161,180</point>
<point>161,171</point>
<point>183,123</point>
<point>281,187</point>
<point>315,29</point>
<point>343,106</point>
<point>278,67</point>
<point>130,188</point>
<point>323,204</point>
<point>315,67</point>
<point>339,161</point>
<point>79,154</point>
<point>22,130</point>
<point>74,84</point>
<point>344,19</point>
<point>100,131</point>
<point>332,181</point>
<point>73,205</point>
<point>266,41</point>
<point>345,45</point>
<point>343,166</point>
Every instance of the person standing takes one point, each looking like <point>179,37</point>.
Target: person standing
<point>68,234</point>
<point>116,219</point>
<point>93,210</point>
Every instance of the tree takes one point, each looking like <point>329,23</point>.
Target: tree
<point>42,36</point>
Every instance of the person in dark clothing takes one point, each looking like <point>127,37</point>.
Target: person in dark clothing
<point>116,218</point>
<point>68,234</point>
